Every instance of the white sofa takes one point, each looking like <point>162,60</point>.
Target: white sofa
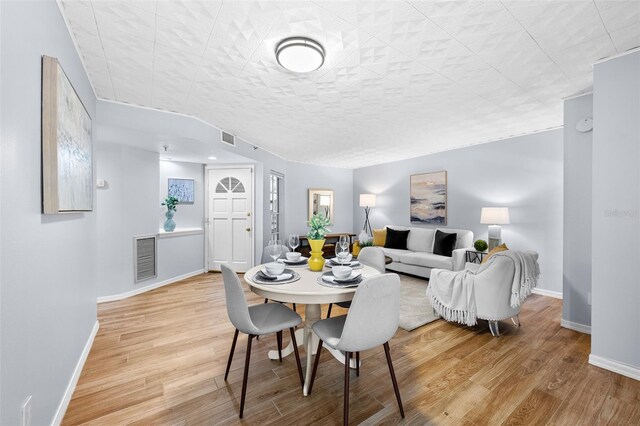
<point>419,259</point>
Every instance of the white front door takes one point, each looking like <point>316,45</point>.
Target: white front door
<point>230,234</point>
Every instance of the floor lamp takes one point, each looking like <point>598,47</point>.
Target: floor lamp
<point>494,217</point>
<point>367,201</point>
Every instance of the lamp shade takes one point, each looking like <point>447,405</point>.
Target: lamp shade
<point>367,200</point>
<point>494,216</point>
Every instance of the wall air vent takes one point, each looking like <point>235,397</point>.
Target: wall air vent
<point>145,256</point>
<point>228,138</point>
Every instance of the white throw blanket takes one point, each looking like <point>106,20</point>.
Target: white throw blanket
<point>526,274</point>
<point>452,295</point>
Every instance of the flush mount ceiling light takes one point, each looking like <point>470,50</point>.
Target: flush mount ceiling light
<point>300,54</point>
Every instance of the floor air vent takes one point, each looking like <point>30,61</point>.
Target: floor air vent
<point>144,258</point>
<point>228,138</point>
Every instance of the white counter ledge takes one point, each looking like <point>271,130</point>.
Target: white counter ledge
<point>180,232</point>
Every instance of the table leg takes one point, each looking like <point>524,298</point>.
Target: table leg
<point>288,350</point>
<point>311,315</point>
<point>310,342</point>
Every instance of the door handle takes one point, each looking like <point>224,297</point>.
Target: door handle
<point>248,229</point>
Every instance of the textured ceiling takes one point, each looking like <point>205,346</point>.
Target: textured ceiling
<point>401,79</point>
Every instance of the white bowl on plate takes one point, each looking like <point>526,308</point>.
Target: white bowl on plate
<point>293,256</point>
<point>274,268</point>
<point>341,272</point>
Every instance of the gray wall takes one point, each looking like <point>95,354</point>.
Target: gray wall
<point>48,272</point>
<point>300,178</point>
<point>522,173</point>
<point>112,115</point>
<point>187,215</point>
<point>615,320</point>
<point>577,212</point>
<point>130,207</point>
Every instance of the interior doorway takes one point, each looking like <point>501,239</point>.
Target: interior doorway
<point>229,221</point>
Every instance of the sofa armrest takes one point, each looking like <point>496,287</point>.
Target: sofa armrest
<point>459,256</point>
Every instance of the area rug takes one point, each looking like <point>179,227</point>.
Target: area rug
<point>415,307</point>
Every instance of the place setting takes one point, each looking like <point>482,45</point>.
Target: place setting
<point>293,259</point>
<point>343,271</point>
<point>275,273</point>
<point>341,277</point>
<point>343,257</point>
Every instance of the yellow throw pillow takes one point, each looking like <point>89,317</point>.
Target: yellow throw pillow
<point>356,248</point>
<point>498,249</point>
<point>379,237</point>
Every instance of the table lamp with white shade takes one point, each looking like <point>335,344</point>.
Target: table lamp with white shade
<point>494,217</point>
<point>367,201</point>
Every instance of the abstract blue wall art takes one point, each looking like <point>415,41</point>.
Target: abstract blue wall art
<point>429,198</point>
<point>67,157</point>
<point>183,189</point>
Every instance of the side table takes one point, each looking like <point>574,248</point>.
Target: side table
<point>474,256</point>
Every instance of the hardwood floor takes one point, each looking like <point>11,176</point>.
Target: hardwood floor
<point>159,358</point>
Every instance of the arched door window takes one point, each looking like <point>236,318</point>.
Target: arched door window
<point>229,184</point>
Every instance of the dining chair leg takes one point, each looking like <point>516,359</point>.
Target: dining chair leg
<point>357,364</point>
<point>246,374</point>
<point>315,365</point>
<point>347,359</point>
<point>233,348</point>
<point>292,330</point>
<point>329,311</point>
<point>294,308</point>
<point>393,378</point>
<point>279,339</point>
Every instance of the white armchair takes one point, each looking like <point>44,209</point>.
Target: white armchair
<point>490,289</point>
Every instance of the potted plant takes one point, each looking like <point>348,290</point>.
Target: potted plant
<point>317,230</point>
<point>171,202</point>
<point>480,245</point>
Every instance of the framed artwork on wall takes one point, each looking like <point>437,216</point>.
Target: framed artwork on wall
<point>428,193</point>
<point>67,154</point>
<point>182,189</point>
<point>321,202</point>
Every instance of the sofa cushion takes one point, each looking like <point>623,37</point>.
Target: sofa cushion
<point>421,240</point>
<point>396,239</point>
<point>379,237</point>
<point>427,260</point>
<point>394,254</point>
<point>444,243</point>
<point>465,237</point>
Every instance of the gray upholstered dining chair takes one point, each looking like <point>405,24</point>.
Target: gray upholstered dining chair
<point>372,321</point>
<point>370,256</point>
<point>256,321</point>
<point>266,259</point>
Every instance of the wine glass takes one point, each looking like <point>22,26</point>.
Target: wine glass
<point>341,253</point>
<point>274,249</point>
<point>294,241</point>
<point>344,242</point>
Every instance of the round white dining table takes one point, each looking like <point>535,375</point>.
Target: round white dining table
<point>306,291</point>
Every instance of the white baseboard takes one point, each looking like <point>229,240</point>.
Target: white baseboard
<point>576,326</point>
<point>549,293</point>
<point>114,297</point>
<point>71,387</point>
<point>615,366</point>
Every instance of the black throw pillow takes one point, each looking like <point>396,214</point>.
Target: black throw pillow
<point>444,243</point>
<point>396,239</point>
